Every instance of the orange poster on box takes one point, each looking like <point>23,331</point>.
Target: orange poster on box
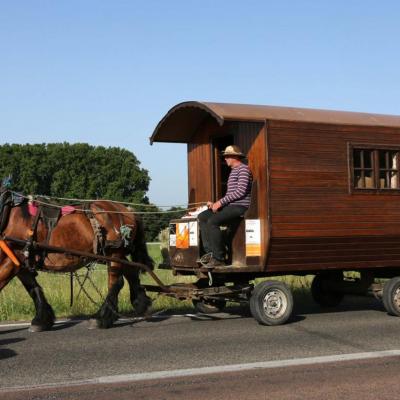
<point>182,235</point>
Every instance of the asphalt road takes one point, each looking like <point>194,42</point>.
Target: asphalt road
<point>71,352</point>
<point>366,380</point>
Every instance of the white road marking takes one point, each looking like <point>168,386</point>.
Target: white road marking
<point>157,315</point>
<point>126,378</point>
<point>27,324</point>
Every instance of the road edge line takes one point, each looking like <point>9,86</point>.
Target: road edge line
<point>146,376</point>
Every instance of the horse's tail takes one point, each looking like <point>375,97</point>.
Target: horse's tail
<point>139,251</point>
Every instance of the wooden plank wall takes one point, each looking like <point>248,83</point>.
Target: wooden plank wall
<point>200,163</point>
<point>316,221</point>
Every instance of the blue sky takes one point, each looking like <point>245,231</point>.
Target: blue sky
<point>105,72</point>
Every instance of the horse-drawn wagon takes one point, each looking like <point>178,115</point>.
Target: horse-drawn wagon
<point>324,201</point>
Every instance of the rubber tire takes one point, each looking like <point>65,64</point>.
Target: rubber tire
<point>322,294</point>
<point>389,290</point>
<point>210,306</point>
<point>257,302</point>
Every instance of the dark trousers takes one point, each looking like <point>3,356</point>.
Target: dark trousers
<point>210,231</point>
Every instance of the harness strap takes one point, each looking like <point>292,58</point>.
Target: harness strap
<point>106,244</point>
<point>29,250</point>
<point>98,230</point>
<point>98,236</point>
<point>50,217</point>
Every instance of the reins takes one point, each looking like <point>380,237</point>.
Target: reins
<point>37,199</point>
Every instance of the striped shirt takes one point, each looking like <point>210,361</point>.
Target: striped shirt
<point>239,187</point>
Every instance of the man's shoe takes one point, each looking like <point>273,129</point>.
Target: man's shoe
<point>215,263</point>
<point>204,259</point>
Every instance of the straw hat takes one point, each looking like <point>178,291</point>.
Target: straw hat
<point>233,150</point>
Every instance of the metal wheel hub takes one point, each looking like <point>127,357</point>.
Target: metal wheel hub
<point>396,298</point>
<point>275,303</point>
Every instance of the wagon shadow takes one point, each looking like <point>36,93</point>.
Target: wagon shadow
<point>304,305</point>
<point>230,312</point>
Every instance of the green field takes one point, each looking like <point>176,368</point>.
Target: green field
<point>15,303</point>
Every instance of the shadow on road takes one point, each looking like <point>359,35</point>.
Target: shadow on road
<point>68,324</point>
<point>5,332</point>
<point>304,305</point>
<point>4,342</point>
<point>7,353</point>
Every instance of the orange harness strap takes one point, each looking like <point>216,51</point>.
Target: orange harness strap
<point>9,252</point>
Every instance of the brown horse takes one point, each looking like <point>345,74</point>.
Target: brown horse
<point>81,230</point>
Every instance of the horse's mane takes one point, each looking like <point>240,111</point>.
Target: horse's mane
<point>25,211</point>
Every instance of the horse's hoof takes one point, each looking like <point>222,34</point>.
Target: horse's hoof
<point>142,309</point>
<point>148,312</point>
<point>36,328</point>
<point>93,324</point>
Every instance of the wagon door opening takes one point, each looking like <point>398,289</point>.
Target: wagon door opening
<point>220,169</point>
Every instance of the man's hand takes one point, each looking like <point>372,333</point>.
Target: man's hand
<point>209,204</point>
<point>216,206</point>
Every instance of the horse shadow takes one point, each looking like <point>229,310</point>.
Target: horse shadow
<point>67,324</point>
<point>8,353</point>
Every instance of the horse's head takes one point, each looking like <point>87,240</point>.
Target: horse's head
<point>5,194</point>
<point>8,200</point>
<point>5,184</point>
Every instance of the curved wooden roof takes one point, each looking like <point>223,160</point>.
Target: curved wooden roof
<point>182,120</point>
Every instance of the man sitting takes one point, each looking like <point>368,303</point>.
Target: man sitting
<point>227,209</point>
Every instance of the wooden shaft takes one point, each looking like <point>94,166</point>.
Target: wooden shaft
<point>10,254</point>
<point>54,249</point>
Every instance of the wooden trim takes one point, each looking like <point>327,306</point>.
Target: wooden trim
<point>350,170</point>
<point>268,194</point>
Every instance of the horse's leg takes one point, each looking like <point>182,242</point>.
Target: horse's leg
<point>44,317</point>
<point>141,303</point>
<point>7,271</point>
<point>108,312</point>
<point>138,251</point>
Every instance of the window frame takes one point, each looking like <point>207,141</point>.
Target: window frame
<point>375,148</point>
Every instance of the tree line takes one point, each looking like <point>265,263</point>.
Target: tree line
<point>81,171</point>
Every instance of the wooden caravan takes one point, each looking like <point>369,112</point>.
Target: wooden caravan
<point>326,196</point>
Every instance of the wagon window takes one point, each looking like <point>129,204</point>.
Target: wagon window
<point>363,169</point>
<point>376,169</point>
<point>388,169</point>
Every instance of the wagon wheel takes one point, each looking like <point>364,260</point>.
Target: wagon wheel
<point>391,296</point>
<point>321,291</point>
<point>271,303</point>
<point>209,306</point>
